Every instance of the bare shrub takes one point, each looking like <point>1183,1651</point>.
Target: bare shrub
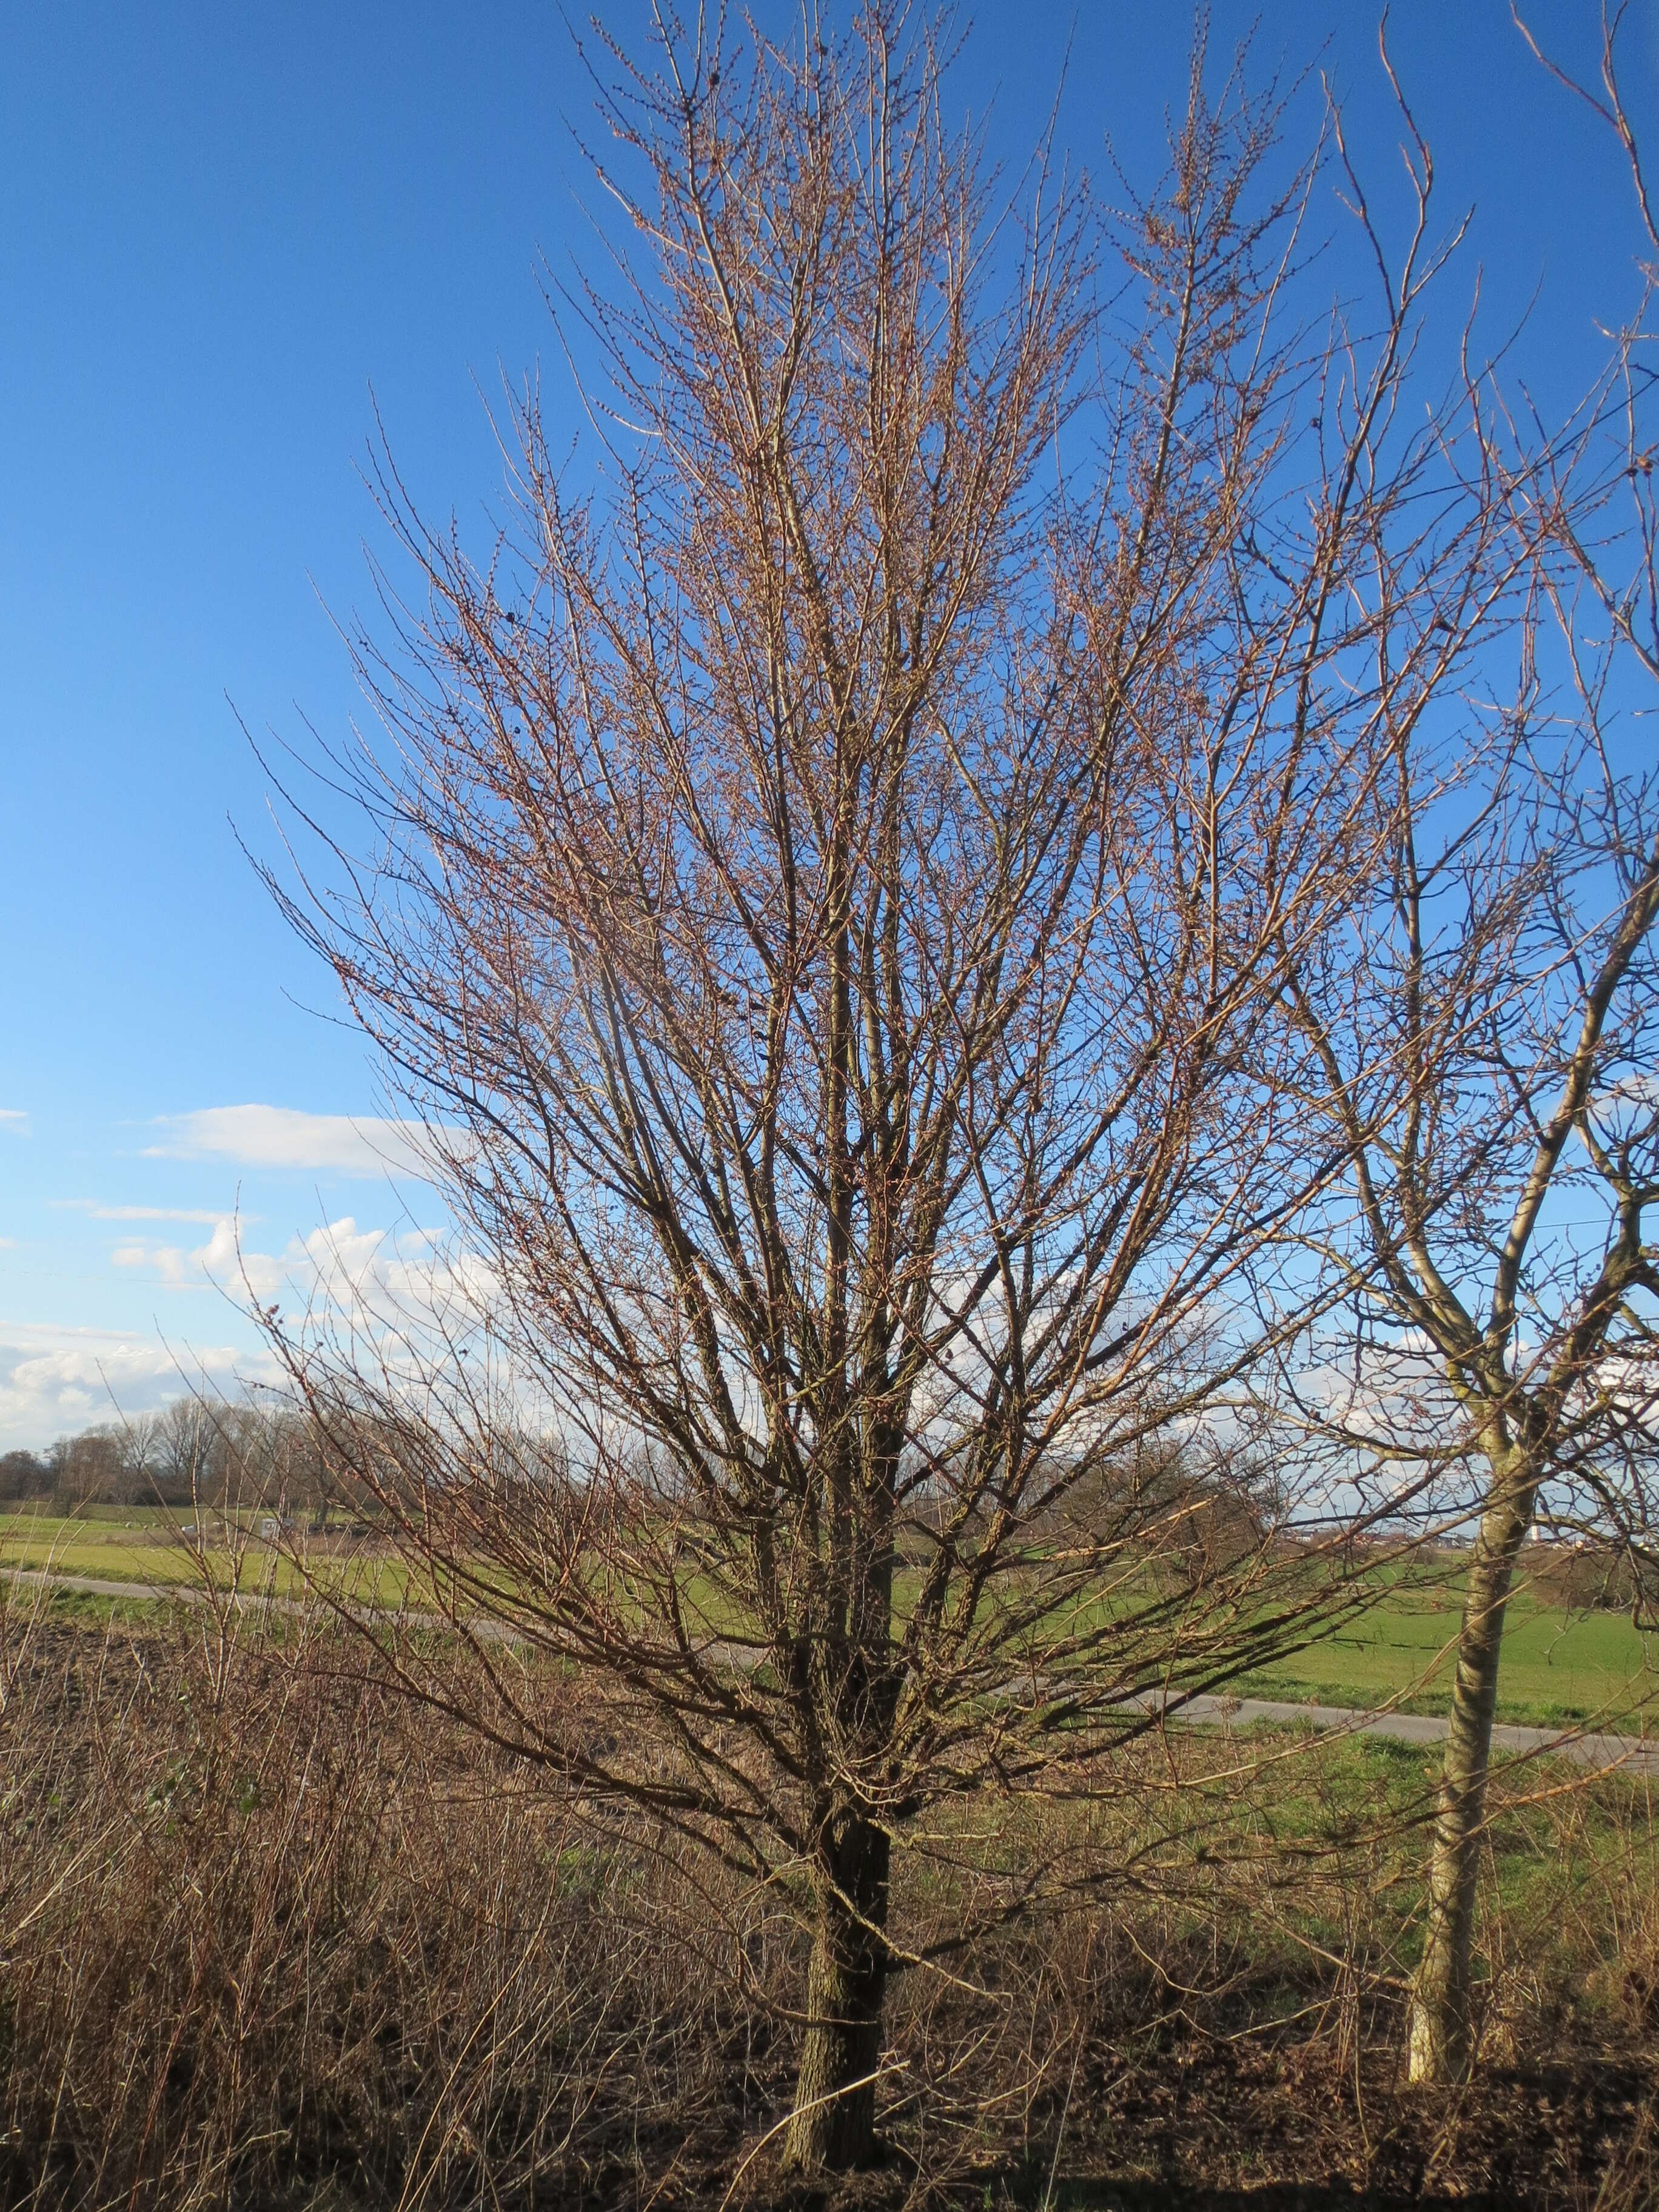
<point>267,1931</point>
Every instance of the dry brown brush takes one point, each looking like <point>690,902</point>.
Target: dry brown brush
<point>274,1938</point>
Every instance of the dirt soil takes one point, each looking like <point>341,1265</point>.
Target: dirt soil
<point>1235,2128</point>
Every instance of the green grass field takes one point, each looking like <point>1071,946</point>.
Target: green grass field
<point>140,1545</point>
<point>1558,1665</point>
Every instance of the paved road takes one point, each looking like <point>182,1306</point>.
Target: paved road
<point>93,1588</point>
<point>1636,1754</point>
<point>1639,1755</point>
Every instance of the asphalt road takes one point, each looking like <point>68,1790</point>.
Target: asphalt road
<point>1640,1755</point>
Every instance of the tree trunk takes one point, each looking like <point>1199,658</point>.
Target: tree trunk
<point>833,2126</point>
<point>1440,2048</point>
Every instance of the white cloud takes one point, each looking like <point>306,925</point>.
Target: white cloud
<point>216,1264</point>
<point>369,1274</point>
<point>205,1215</point>
<point>283,1137</point>
<point>56,1380</point>
<point>15,1121</point>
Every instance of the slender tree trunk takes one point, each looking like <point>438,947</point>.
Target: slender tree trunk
<point>1440,2045</point>
<point>833,2124</point>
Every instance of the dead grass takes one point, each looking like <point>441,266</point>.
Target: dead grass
<point>271,1938</point>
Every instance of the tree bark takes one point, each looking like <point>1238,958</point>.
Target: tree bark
<point>1440,2045</point>
<point>832,2128</point>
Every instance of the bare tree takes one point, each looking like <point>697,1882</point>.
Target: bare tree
<point>92,1467</point>
<point>23,1475</point>
<point>1484,1048</point>
<point>829,888</point>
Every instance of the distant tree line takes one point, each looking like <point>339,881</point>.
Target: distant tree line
<point>195,1453</point>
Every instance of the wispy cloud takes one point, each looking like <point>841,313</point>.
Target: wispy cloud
<point>15,1121</point>
<point>283,1137</point>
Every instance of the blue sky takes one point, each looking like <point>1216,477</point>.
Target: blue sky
<point>220,228</point>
